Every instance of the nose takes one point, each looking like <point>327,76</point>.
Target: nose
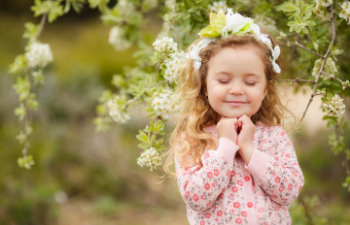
<point>236,88</point>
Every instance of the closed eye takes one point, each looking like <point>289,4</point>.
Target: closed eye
<point>223,81</point>
<point>251,84</point>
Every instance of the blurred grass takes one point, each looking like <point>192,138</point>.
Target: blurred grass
<point>98,171</point>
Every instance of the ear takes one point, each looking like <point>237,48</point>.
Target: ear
<point>265,93</point>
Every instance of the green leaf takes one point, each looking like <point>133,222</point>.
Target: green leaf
<point>18,65</point>
<point>56,10</point>
<point>31,31</point>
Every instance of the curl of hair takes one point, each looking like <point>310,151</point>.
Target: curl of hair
<point>189,138</point>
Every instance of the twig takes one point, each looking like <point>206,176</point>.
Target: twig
<point>42,23</point>
<point>172,17</point>
<point>303,47</point>
<point>297,80</point>
<point>335,78</point>
<point>307,213</point>
<point>323,63</point>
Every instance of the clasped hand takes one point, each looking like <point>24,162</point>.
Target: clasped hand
<point>238,130</point>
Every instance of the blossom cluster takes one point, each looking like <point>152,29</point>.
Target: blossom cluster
<point>116,109</point>
<point>165,45</point>
<point>345,12</point>
<point>167,48</point>
<point>329,68</point>
<point>117,39</point>
<point>162,104</point>
<point>217,6</point>
<point>321,12</point>
<point>149,158</point>
<point>324,3</point>
<point>172,64</point>
<point>39,54</point>
<point>334,106</point>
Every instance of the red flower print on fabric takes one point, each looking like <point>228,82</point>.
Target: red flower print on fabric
<point>219,213</point>
<point>281,189</point>
<point>261,210</point>
<point>244,214</point>
<point>187,194</point>
<point>249,204</point>
<point>234,189</point>
<point>195,197</point>
<point>283,133</point>
<point>202,222</point>
<point>233,173</point>
<point>238,220</point>
<point>290,187</point>
<point>236,205</point>
<point>207,186</point>
<point>209,174</point>
<point>206,155</point>
<point>246,178</point>
<point>228,173</point>
<point>277,180</point>
<point>216,172</point>
<point>240,183</point>
<point>207,215</point>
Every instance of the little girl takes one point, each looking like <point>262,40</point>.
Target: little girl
<point>234,162</point>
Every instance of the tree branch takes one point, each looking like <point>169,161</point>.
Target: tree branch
<point>323,62</point>
<point>297,80</point>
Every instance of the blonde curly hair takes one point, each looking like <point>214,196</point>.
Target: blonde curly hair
<point>189,138</point>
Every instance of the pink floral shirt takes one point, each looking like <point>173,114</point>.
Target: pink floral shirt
<point>228,191</point>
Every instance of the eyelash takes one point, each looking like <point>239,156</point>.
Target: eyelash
<point>223,82</point>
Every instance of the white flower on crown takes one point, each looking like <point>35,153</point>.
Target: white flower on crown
<point>234,22</point>
<point>194,53</point>
<point>39,54</point>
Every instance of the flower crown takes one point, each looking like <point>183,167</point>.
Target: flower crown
<point>227,25</point>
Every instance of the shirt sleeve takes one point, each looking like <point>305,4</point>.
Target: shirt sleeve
<point>280,175</point>
<point>201,186</point>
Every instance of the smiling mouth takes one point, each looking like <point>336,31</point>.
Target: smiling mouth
<point>233,103</point>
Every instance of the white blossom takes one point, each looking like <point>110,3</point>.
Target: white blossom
<point>169,4</point>
<point>125,8</point>
<point>149,158</point>
<point>321,12</point>
<point>325,3</point>
<point>39,54</point>
<point>217,6</point>
<point>165,45</point>
<point>345,11</point>
<point>149,4</point>
<point>116,110</point>
<point>162,105</point>
<point>329,68</point>
<point>334,106</point>
<point>172,64</point>
<point>266,22</point>
<point>117,40</point>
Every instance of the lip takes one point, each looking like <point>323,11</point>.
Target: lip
<point>235,103</point>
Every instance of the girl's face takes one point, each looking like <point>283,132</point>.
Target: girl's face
<point>236,75</point>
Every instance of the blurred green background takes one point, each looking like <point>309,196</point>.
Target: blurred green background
<point>84,177</point>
